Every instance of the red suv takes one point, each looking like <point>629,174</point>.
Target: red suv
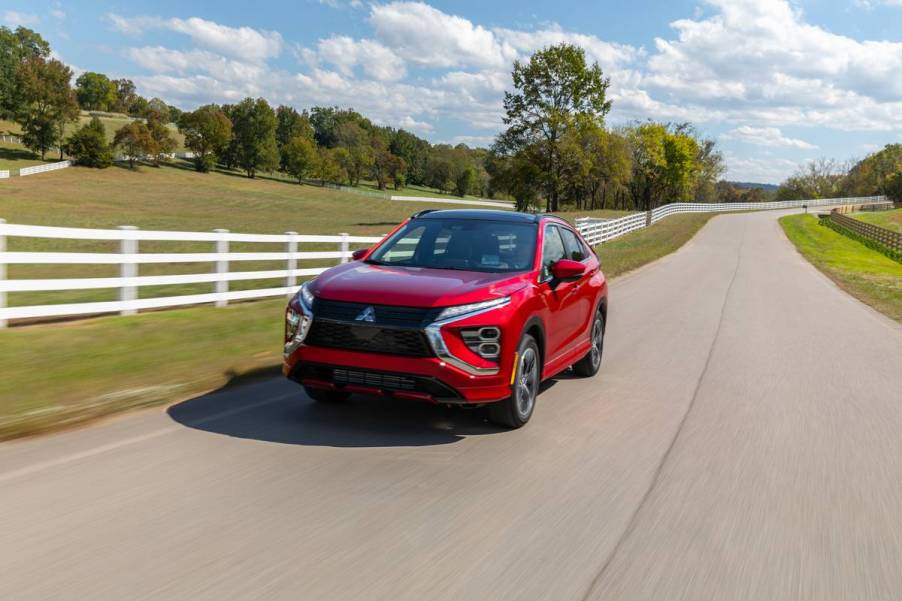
<point>457,307</point>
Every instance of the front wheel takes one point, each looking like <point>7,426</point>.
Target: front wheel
<point>588,365</point>
<point>515,410</point>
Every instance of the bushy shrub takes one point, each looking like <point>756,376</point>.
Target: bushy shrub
<point>89,147</point>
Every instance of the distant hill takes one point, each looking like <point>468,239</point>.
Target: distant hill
<point>751,185</point>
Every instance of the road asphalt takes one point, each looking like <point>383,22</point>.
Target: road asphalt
<point>742,441</point>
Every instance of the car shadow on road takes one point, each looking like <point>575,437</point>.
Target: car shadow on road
<point>278,411</point>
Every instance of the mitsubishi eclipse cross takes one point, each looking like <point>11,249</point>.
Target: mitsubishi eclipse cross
<point>459,307</point>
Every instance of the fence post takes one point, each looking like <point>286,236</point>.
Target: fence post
<point>291,247</point>
<point>222,267</point>
<point>2,272</point>
<point>343,246</point>
<point>647,218</point>
<point>128,269</point>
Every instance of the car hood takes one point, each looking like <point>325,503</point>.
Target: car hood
<point>361,282</point>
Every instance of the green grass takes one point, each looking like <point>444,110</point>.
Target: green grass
<point>14,157</point>
<point>864,273</point>
<point>891,220</point>
<point>61,374</point>
<point>56,375</point>
<point>178,198</point>
<point>644,246</point>
<point>111,124</point>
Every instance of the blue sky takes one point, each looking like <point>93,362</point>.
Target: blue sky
<point>776,82</point>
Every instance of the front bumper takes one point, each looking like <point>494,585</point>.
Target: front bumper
<point>436,380</point>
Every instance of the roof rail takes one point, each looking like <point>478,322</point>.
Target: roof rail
<point>421,213</point>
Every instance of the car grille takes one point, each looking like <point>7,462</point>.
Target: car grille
<point>386,381</point>
<point>371,339</point>
<point>375,379</point>
<point>387,315</point>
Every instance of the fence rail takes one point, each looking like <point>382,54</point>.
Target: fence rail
<point>599,231</point>
<point>888,238</point>
<point>129,259</point>
<point>44,168</point>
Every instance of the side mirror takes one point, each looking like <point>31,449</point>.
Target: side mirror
<point>359,254</point>
<point>565,270</point>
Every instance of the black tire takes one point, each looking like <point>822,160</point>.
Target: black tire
<point>326,396</point>
<point>515,411</point>
<point>588,365</point>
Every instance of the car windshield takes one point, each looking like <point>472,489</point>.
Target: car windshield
<point>464,244</point>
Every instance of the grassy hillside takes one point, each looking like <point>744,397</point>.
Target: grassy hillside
<point>891,220</point>
<point>15,156</point>
<point>177,198</point>
<point>111,124</point>
<point>864,273</point>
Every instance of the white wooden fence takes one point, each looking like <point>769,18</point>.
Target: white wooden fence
<point>129,259</point>
<point>599,231</point>
<point>44,168</point>
<point>4,174</point>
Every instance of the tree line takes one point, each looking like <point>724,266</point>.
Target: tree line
<point>879,173</point>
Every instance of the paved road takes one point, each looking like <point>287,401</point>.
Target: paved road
<point>744,441</point>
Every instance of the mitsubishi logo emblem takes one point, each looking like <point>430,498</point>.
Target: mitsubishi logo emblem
<point>368,314</point>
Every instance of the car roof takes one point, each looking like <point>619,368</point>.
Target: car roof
<point>485,214</point>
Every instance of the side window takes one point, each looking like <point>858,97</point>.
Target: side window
<point>575,249</point>
<point>552,250</point>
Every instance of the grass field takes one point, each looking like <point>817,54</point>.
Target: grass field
<point>891,220</point>
<point>178,198</point>
<point>14,156</point>
<point>864,273</point>
<point>110,123</point>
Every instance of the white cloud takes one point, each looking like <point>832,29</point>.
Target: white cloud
<point>408,122</point>
<point>427,36</point>
<point>759,60</point>
<point>16,19</point>
<point>762,170</point>
<point>243,43</point>
<point>377,61</point>
<point>765,136</point>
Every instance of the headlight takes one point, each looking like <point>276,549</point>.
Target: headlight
<point>305,296</point>
<point>459,310</point>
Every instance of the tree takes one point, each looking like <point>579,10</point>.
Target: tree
<point>126,94</point>
<point>414,151</point>
<point>96,92</point>
<point>894,187</point>
<point>15,48</point>
<point>88,145</point>
<point>386,166</point>
<point>300,157</point>
<point>254,133</point>
<point>48,102</point>
<point>135,141</point>
<point>163,142</point>
<point>554,87</point>
<point>326,168</point>
<point>821,178</point>
<point>290,125</point>
<point>205,129</point>
<point>353,138</point>
<point>158,106</point>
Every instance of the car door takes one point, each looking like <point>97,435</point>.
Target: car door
<point>560,316</point>
<point>582,305</point>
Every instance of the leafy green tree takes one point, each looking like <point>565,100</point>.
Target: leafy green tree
<point>386,166</point>
<point>126,94</point>
<point>555,86</point>
<point>327,167</point>
<point>680,152</point>
<point>163,142</point>
<point>300,156</point>
<point>160,108</point>
<point>135,141</point>
<point>254,134</point>
<point>206,130</point>
<point>48,102</point>
<point>175,113</point>
<point>88,145</point>
<point>138,107</point>
<point>894,187</point>
<point>414,151</point>
<point>15,48</point>
<point>96,92</point>
<point>290,125</point>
